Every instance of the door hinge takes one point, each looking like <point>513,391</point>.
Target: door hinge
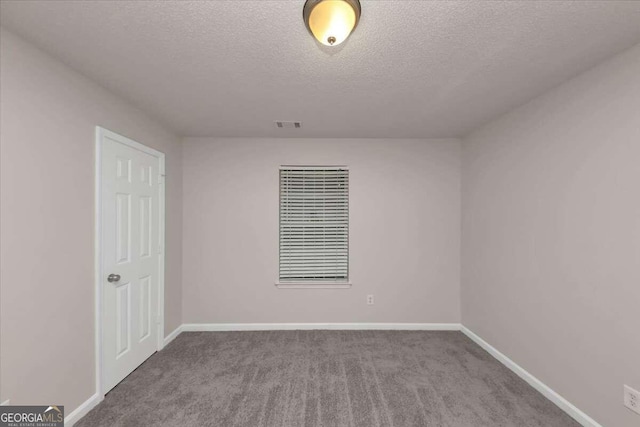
<point>161,179</point>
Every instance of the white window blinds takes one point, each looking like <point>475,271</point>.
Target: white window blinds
<point>314,224</point>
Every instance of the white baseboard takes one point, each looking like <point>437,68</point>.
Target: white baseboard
<point>544,389</point>
<point>82,410</point>
<point>172,336</point>
<point>6,402</point>
<point>203,327</point>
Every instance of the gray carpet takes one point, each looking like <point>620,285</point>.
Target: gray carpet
<point>324,378</point>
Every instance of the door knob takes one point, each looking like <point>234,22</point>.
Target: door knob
<point>113,278</point>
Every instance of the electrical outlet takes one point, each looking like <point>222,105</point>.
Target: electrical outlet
<point>632,399</point>
<point>369,299</point>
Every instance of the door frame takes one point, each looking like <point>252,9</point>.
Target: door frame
<point>100,134</point>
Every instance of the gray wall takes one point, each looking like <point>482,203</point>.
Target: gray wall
<point>551,237</point>
<point>404,231</point>
<point>48,115</point>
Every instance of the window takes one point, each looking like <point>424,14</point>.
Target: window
<point>314,225</point>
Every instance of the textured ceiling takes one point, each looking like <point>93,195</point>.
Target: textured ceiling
<point>411,68</point>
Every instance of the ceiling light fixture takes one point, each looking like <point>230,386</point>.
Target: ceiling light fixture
<point>331,21</point>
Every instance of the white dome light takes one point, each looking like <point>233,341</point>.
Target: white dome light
<point>331,21</point>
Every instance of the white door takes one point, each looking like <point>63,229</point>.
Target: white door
<point>131,251</point>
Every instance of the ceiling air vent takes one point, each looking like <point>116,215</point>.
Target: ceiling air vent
<point>288,125</point>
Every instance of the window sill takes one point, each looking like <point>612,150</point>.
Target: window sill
<point>311,285</point>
